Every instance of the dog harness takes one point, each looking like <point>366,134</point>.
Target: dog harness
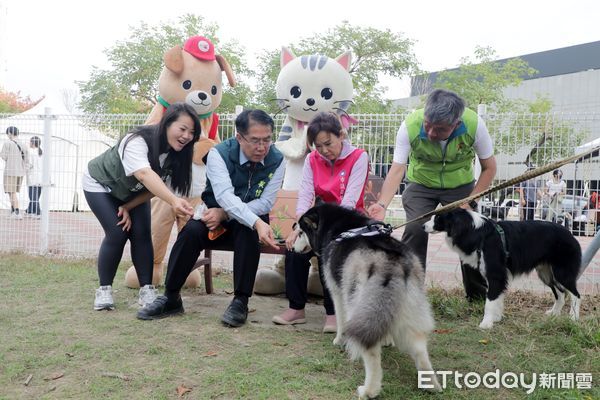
<point>504,246</point>
<point>374,229</point>
<point>503,239</point>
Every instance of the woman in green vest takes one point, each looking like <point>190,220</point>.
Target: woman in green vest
<point>119,183</point>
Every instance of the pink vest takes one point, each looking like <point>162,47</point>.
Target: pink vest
<point>330,181</point>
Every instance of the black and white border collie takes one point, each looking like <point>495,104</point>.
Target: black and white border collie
<point>504,249</point>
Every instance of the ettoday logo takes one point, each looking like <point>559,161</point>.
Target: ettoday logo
<point>508,380</point>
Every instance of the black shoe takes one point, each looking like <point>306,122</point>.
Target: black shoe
<point>236,314</point>
<point>160,308</point>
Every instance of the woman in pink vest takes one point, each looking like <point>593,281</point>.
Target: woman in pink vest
<point>337,173</point>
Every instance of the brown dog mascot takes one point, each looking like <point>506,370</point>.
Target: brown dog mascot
<point>192,74</point>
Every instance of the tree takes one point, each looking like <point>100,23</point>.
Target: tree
<point>374,51</point>
<point>14,103</point>
<point>483,80</point>
<point>130,84</point>
<point>532,124</point>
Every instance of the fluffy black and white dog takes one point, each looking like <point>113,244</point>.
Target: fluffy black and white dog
<point>376,283</point>
<point>502,250</point>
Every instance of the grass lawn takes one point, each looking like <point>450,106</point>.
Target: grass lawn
<point>54,346</point>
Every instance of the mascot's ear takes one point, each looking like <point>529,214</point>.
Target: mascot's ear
<point>286,56</point>
<point>318,200</point>
<point>226,68</point>
<point>174,60</point>
<point>345,59</point>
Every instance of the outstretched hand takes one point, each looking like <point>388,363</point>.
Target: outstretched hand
<point>265,233</point>
<point>376,211</point>
<point>181,207</point>
<point>291,239</point>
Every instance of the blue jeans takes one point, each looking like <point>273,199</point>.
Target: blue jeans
<point>34,200</point>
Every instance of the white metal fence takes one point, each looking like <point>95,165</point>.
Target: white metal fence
<point>68,229</point>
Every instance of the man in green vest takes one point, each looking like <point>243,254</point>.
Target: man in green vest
<point>441,142</point>
<point>243,175</point>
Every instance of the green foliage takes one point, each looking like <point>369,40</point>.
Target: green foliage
<point>374,51</point>
<point>130,84</point>
<point>482,81</point>
<point>533,126</point>
<point>529,124</point>
<point>11,102</point>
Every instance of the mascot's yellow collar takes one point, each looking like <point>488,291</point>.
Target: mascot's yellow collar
<point>165,104</point>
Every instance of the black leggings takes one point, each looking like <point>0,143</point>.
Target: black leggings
<point>105,208</point>
<point>297,267</point>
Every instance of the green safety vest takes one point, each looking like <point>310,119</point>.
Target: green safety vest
<point>108,170</point>
<point>435,168</point>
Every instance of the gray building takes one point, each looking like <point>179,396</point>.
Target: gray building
<point>569,77</point>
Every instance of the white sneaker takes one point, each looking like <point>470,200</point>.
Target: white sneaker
<point>104,299</point>
<point>16,216</point>
<point>148,294</point>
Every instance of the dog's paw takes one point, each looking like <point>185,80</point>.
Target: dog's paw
<point>364,393</point>
<point>574,316</point>
<point>552,311</point>
<point>486,324</point>
<point>437,388</point>
<point>337,341</point>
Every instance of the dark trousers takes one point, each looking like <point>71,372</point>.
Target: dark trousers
<point>418,200</point>
<point>528,212</point>
<point>34,200</point>
<point>105,208</point>
<point>297,267</point>
<point>193,238</point>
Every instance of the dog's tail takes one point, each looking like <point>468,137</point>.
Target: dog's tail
<point>372,312</point>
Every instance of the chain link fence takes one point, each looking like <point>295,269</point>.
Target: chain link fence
<point>68,229</point>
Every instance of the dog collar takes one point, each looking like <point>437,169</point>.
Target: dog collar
<point>166,104</point>
<point>374,229</point>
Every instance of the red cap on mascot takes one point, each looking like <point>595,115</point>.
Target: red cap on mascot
<point>200,47</point>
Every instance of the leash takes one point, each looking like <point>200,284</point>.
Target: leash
<point>511,182</point>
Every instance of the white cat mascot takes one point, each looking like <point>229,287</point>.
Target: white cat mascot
<point>305,86</point>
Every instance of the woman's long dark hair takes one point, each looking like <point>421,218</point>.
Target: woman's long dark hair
<point>155,137</point>
<point>36,142</point>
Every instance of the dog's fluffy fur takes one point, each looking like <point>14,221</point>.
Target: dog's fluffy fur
<point>376,284</point>
<point>548,248</point>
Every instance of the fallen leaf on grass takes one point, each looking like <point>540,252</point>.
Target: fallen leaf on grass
<point>484,341</point>
<point>115,375</point>
<point>26,382</point>
<point>70,355</point>
<point>181,390</point>
<point>54,376</point>
<point>211,354</point>
<point>442,331</point>
<point>228,291</point>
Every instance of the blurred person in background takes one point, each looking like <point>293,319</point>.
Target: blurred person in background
<point>15,155</point>
<point>34,176</point>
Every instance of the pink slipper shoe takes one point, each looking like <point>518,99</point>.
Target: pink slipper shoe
<point>330,324</point>
<point>290,317</point>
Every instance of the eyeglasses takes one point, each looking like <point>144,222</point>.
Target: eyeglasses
<point>257,142</point>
